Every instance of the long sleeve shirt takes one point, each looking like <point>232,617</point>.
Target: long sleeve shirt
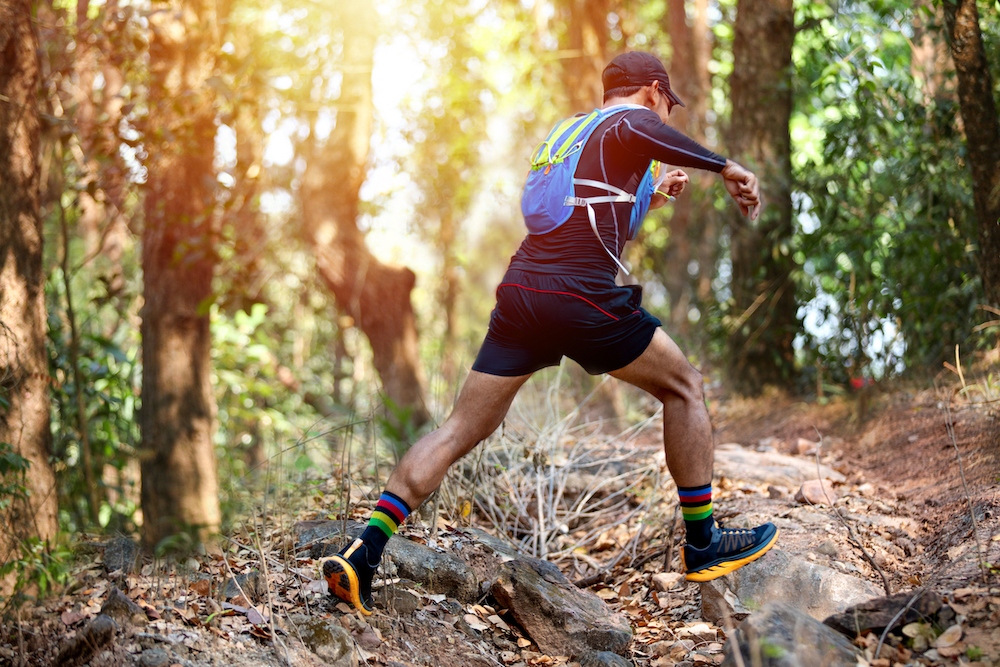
<point>618,152</point>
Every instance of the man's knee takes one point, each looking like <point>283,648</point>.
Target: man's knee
<point>687,384</point>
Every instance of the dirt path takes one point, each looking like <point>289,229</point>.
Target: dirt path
<point>910,518</point>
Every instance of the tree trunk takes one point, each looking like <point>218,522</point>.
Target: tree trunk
<point>982,133</point>
<point>931,64</point>
<point>376,296</point>
<point>24,396</point>
<point>689,220</point>
<point>763,320</point>
<point>587,53</point>
<point>180,490</point>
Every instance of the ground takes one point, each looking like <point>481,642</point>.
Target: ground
<point>921,486</point>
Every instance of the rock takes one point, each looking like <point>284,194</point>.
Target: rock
<point>603,659</point>
<point>811,588</point>
<point>805,447</point>
<point>737,462</point>
<point>154,657</point>
<point>399,600</point>
<point>719,603</point>
<point>251,583</point>
<point>90,639</point>
<point>120,555</point>
<point>561,618</point>
<point>816,492</point>
<point>775,492</point>
<point>876,614</point>
<point>778,635</point>
<point>664,581</point>
<point>437,572</point>
<point>327,639</point>
<point>828,548</point>
<point>123,610</point>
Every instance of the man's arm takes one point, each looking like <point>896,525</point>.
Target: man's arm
<point>645,134</point>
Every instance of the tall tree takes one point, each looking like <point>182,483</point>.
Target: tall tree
<point>375,295</point>
<point>692,225</point>
<point>587,37</point>
<point>762,322</point>
<point>982,132</point>
<point>24,397</point>
<point>179,478</point>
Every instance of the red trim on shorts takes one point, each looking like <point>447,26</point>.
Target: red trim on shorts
<point>544,291</point>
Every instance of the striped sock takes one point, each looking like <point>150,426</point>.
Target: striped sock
<point>696,506</point>
<point>390,512</point>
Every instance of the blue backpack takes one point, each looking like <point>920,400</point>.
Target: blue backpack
<point>550,195</point>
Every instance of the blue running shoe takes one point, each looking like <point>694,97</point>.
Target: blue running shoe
<point>729,550</point>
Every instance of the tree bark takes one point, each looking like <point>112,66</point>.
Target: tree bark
<point>180,490</point>
<point>982,133</point>
<point>763,320</point>
<point>689,220</point>
<point>375,295</point>
<point>24,396</point>
<point>587,53</point>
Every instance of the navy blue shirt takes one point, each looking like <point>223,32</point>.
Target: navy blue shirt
<point>618,152</point>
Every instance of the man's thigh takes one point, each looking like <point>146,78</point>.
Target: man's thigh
<point>662,367</point>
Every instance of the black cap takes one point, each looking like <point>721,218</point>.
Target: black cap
<point>637,68</point>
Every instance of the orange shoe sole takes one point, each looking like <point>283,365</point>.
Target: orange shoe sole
<point>342,579</point>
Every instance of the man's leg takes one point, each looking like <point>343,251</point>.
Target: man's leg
<point>482,405</point>
<point>664,372</point>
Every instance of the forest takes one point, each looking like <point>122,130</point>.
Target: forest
<point>249,248</point>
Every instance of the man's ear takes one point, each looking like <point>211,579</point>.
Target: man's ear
<point>651,94</point>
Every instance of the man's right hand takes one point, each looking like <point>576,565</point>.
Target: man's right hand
<point>743,187</point>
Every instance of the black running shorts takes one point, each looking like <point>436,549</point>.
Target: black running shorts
<point>539,318</point>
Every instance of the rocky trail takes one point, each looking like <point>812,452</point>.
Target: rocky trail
<point>888,555</point>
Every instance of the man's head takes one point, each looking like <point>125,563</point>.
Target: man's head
<point>630,72</point>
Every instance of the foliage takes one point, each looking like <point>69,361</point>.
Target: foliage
<point>38,566</point>
<point>13,466</point>
<point>109,393</point>
<point>886,233</point>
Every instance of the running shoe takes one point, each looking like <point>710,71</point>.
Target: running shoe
<point>729,550</point>
<point>346,581</point>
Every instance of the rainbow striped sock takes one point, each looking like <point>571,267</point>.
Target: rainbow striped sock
<point>390,512</point>
<point>696,506</point>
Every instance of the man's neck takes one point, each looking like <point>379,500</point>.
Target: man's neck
<point>631,99</point>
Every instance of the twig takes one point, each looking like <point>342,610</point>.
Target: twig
<point>968,496</point>
<point>899,615</point>
<point>669,553</point>
<point>850,531</point>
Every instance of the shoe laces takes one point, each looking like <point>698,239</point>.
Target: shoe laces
<point>735,538</point>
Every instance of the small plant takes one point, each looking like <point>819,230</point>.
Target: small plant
<point>39,568</point>
<point>12,469</point>
<point>974,653</point>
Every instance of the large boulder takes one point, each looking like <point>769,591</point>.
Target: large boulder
<point>777,576</point>
<point>778,635</point>
<point>561,618</point>
<point>737,462</point>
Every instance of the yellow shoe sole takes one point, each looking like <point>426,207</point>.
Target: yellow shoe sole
<point>722,569</point>
<point>342,579</point>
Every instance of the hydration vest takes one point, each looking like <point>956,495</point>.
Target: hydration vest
<point>549,195</point>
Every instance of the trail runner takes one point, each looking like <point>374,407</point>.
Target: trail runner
<point>559,297</point>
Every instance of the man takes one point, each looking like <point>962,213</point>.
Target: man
<point>559,297</point>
